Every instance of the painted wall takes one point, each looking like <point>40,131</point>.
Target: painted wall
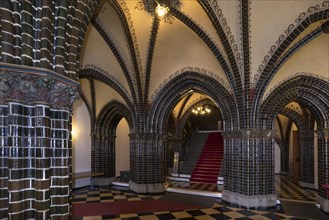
<point>122,148</point>
<point>81,142</point>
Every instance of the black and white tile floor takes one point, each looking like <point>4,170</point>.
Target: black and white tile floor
<point>285,189</point>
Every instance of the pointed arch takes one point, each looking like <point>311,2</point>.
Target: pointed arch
<point>310,91</point>
<point>182,85</point>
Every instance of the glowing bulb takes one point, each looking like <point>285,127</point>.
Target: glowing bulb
<point>161,10</point>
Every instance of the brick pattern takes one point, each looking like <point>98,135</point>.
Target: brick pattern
<point>223,30</point>
<point>121,8</point>
<point>124,65</point>
<point>36,166</point>
<point>248,160</point>
<point>4,198</point>
<point>305,126</point>
<point>323,158</point>
<point>103,138</point>
<point>147,159</point>
<point>35,121</point>
<point>57,27</point>
<point>278,51</point>
<point>168,96</point>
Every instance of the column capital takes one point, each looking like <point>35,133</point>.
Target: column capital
<point>249,134</point>
<point>28,85</point>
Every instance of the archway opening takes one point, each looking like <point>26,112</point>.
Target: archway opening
<point>193,120</point>
<point>122,150</point>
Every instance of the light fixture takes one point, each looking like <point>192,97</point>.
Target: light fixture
<point>201,110</point>
<point>161,10</point>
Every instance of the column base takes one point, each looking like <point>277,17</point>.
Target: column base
<point>324,203</point>
<point>147,188</point>
<point>306,185</point>
<point>257,201</point>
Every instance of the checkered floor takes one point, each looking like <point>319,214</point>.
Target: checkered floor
<point>195,186</point>
<point>284,187</point>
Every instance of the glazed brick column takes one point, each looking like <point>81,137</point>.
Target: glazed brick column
<point>4,154</point>
<point>307,161</point>
<point>103,156</point>
<point>284,159</point>
<point>35,143</point>
<point>60,163</point>
<point>323,167</point>
<point>249,168</point>
<point>147,163</point>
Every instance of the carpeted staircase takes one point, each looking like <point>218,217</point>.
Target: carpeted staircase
<point>209,163</point>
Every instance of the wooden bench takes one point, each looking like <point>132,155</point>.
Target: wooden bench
<point>86,174</point>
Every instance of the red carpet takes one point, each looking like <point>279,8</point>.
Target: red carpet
<point>209,163</point>
<point>125,207</point>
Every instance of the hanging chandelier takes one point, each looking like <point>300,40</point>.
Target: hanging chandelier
<point>201,110</point>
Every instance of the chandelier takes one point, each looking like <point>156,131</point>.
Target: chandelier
<point>201,110</point>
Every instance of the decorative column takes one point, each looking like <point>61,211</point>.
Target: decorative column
<point>249,168</point>
<point>35,143</point>
<point>103,156</point>
<point>147,163</point>
<point>323,167</point>
<point>306,144</point>
<point>285,157</point>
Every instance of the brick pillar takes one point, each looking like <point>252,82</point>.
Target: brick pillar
<point>285,157</point>
<point>307,161</point>
<point>147,163</point>
<point>4,154</point>
<point>35,155</point>
<point>249,168</point>
<point>103,156</point>
<point>323,167</point>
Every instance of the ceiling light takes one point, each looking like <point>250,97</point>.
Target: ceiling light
<point>161,10</point>
<point>201,110</point>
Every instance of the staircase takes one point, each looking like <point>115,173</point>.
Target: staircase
<point>209,163</point>
<point>195,149</point>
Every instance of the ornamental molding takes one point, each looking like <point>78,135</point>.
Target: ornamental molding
<point>192,69</point>
<point>227,30</point>
<point>298,74</point>
<point>249,134</point>
<point>35,86</point>
<point>108,75</point>
<point>291,27</point>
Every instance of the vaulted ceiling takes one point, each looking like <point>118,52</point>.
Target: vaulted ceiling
<point>226,39</point>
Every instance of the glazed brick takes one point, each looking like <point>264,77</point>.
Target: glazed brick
<point>41,184</point>
<point>20,184</point>
<point>23,205</point>
<point>22,195</point>
<point>59,190</point>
